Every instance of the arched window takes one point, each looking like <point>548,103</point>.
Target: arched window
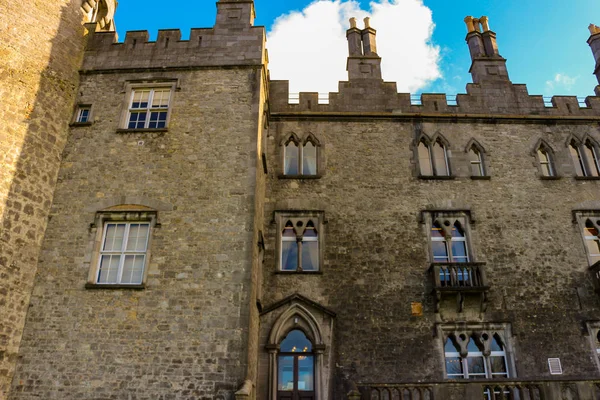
<point>592,241</point>
<point>300,245</point>
<point>296,367</point>
<point>591,159</point>
<point>485,357</point>
<point>425,164</point>
<point>545,160</point>
<point>577,159</point>
<point>291,159</point>
<point>585,158</point>
<point>449,243</point>
<point>300,159</point>
<point>476,160</point>
<point>440,159</point>
<point>433,159</point>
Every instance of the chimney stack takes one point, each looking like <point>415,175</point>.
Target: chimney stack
<point>487,63</point>
<point>363,61</point>
<point>594,42</point>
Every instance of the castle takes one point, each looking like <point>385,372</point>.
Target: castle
<point>174,228</point>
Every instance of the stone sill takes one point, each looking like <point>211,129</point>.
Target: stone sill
<point>160,130</point>
<point>80,124</point>
<point>587,178</point>
<point>481,178</point>
<point>437,177</point>
<point>282,176</point>
<point>298,273</point>
<point>550,178</point>
<point>114,287</point>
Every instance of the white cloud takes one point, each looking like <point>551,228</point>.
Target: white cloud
<point>560,81</point>
<point>309,47</point>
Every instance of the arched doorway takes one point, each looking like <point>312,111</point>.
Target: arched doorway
<point>296,368</point>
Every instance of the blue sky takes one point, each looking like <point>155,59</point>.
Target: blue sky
<point>544,41</point>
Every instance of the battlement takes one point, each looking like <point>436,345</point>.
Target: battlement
<point>233,41</point>
<point>374,97</point>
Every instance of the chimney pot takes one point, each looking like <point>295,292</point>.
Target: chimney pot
<point>484,23</point>
<point>352,22</point>
<point>469,22</point>
<point>367,22</point>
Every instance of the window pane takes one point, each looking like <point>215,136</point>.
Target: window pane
<point>286,373</point>
<point>476,367</point>
<point>440,253</point>
<point>439,159</point>
<point>425,160</point>
<point>309,159</point>
<point>289,255</point>
<point>472,346</point>
<point>157,119</point>
<point>138,237</point>
<point>498,365</point>
<point>590,155</point>
<point>296,342</point>
<point>109,269</point>
<point>133,269</point>
<point>459,251</point>
<point>137,120</point>
<point>496,344</point>
<point>310,256</point>
<point>436,231</point>
<point>161,98</point>
<point>306,365</point>
<point>449,347</point>
<point>113,240</point>
<point>476,162</point>
<point>545,164</point>
<point>454,367</point>
<point>291,159</point>
<point>577,161</point>
<point>140,99</point>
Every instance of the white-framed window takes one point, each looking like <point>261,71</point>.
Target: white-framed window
<point>477,353</point>
<point>591,238</point>
<point>433,158</point>
<point>148,108</point>
<point>585,157</point>
<point>300,242</point>
<point>449,239</point>
<point>300,157</point>
<point>83,114</point>
<point>123,253</point>
<point>121,248</point>
<point>594,336</point>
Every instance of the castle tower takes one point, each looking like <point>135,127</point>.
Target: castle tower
<point>487,66</point>
<point>38,84</point>
<point>363,61</point>
<point>594,42</point>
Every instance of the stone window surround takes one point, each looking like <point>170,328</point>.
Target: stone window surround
<point>158,83</point>
<point>469,328</point>
<point>300,142</point>
<point>118,214</point>
<point>580,144</point>
<point>593,330</point>
<point>483,156</point>
<point>543,145</point>
<point>78,108</point>
<point>580,218</point>
<point>280,218</point>
<point>429,142</point>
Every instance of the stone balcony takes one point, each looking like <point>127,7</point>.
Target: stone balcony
<point>478,390</point>
<point>460,280</point>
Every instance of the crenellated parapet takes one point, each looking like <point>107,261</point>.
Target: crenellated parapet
<point>354,97</point>
<point>233,41</point>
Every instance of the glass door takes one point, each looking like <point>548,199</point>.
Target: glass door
<point>296,368</point>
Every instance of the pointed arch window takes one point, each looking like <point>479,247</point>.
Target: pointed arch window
<point>545,160</point>
<point>585,157</point>
<point>482,355</point>
<point>296,367</point>
<point>300,158</point>
<point>300,243</point>
<point>591,235</point>
<point>448,242</point>
<point>476,161</point>
<point>433,158</point>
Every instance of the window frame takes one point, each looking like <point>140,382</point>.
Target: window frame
<point>474,329</point>
<point>99,227</point>
<point>281,219</point>
<point>444,218</point>
<point>76,121</point>
<point>593,330</point>
<point>301,144</point>
<point>152,86</point>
